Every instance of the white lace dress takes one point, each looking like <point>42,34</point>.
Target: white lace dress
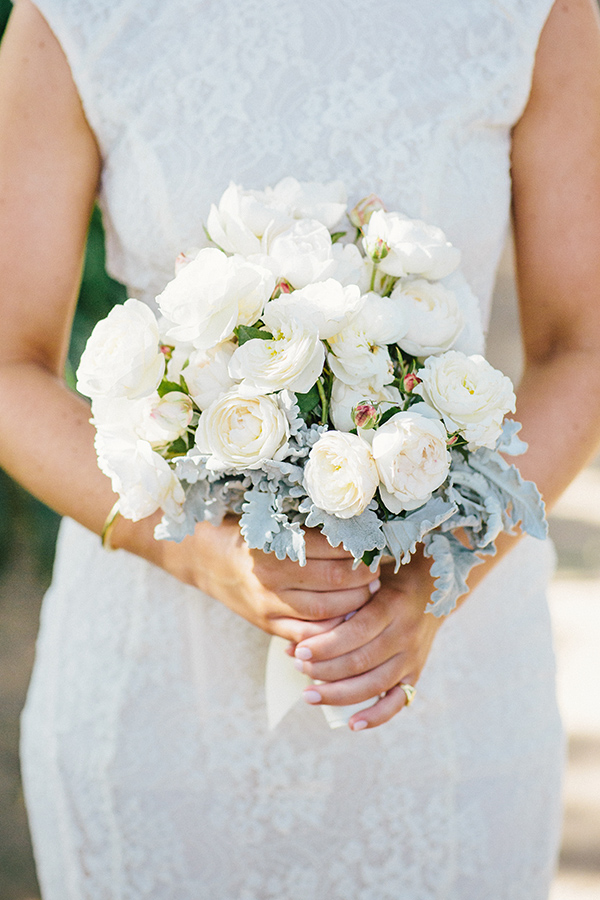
<point>149,770</point>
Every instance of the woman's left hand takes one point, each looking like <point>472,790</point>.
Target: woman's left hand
<point>386,642</point>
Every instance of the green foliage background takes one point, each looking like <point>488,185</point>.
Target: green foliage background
<point>20,513</point>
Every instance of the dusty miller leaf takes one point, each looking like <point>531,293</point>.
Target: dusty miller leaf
<point>452,563</point>
<point>403,535</point>
<point>357,534</point>
<point>522,499</point>
<point>508,442</point>
<point>259,523</point>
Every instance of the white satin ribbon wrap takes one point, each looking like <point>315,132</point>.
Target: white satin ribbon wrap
<point>284,685</point>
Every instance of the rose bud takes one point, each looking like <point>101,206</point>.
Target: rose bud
<point>364,209</point>
<point>184,258</point>
<point>282,287</point>
<point>365,416</point>
<point>410,382</point>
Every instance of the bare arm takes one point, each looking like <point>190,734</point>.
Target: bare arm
<point>49,171</point>
<point>556,194</point>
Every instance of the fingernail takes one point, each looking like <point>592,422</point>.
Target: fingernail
<point>350,614</point>
<point>298,664</point>
<point>313,697</point>
<point>358,726</point>
<point>374,586</point>
<point>303,653</point>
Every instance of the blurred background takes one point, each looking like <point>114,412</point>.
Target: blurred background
<point>27,535</point>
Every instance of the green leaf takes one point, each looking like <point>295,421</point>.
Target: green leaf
<point>166,387</point>
<point>308,402</point>
<point>249,332</point>
<point>335,237</point>
<point>178,447</point>
<point>387,415</point>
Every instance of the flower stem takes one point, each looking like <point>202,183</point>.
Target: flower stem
<point>324,404</point>
<point>373,274</point>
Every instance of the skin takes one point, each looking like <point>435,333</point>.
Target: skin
<point>49,171</point>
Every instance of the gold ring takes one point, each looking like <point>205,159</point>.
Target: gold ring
<point>409,690</point>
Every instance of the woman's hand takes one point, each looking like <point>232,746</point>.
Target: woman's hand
<point>386,642</point>
<point>279,596</point>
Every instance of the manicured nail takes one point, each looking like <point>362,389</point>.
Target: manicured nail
<point>303,653</point>
<point>374,586</point>
<point>313,697</point>
<point>358,726</point>
<point>350,614</point>
<point>298,664</point>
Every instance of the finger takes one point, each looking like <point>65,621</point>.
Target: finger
<point>363,659</point>
<point>317,605</point>
<point>358,689</point>
<point>294,630</point>
<point>318,547</point>
<point>371,620</point>
<point>317,575</point>
<point>382,711</point>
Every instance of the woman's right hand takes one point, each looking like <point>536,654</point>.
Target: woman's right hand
<point>279,596</point>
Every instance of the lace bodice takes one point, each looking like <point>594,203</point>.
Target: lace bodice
<point>414,101</point>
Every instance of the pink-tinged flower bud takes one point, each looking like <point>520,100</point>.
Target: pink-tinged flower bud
<point>166,350</point>
<point>410,382</point>
<point>282,287</point>
<point>364,209</point>
<point>185,258</point>
<point>365,415</point>
<point>378,250</point>
<point>452,440</point>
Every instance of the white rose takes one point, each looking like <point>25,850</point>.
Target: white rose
<point>242,218</point>
<point>409,247</point>
<point>212,295</point>
<point>241,433</point>
<point>380,319</point>
<point>143,480</point>
<point>412,459</point>
<point>354,358</point>
<point>207,373</point>
<point>472,338</point>
<point>310,200</point>
<point>471,396</point>
<point>122,356</point>
<point>292,360</point>
<point>344,398</point>
<point>340,476</point>
<point>325,307</point>
<point>302,254</point>
<point>433,317</point>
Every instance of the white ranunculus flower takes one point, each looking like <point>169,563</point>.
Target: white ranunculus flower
<point>432,314</point>
<point>143,480</point>
<point>345,397</point>
<point>302,254</point>
<point>239,222</point>
<point>380,319</point>
<point>340,476</point>
<point>207,373</point>
<point>310,200</point>
<point>412,459</point>
<point>326,307</point>
<point>471,396</point>
<point>409,247</point>
<point>241,433</point>
<point>212,295</point>
<point>292,360</point>
<point>354,358</point>
<point>122,356</point>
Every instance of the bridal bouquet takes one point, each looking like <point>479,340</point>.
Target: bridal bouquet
<point>311,372</point>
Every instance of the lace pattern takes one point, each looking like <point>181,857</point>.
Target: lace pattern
<point>149,772</point>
